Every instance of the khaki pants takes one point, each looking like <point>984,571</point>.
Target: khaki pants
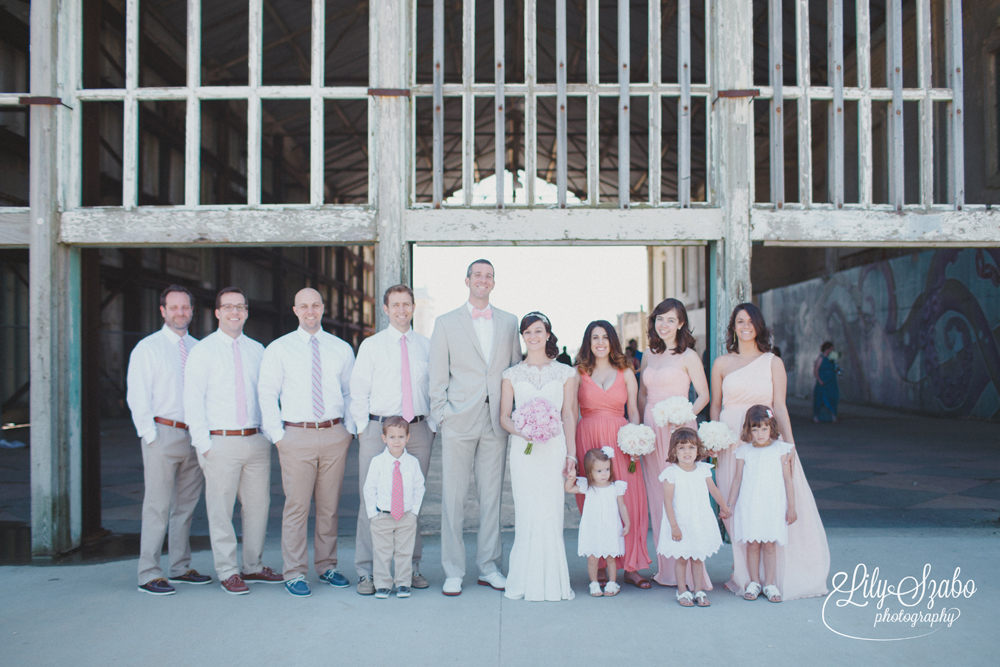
<point>483,451</point>
<point>173,484</point>
<point>237,467</point>
<point>371,445</point>
<point>393,541</point>
<point>312,466</point>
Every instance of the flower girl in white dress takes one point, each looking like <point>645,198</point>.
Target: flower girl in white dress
<point>689,531</point>
<point>601,533</point>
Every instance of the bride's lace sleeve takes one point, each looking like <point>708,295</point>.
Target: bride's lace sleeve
<point>511,373</point>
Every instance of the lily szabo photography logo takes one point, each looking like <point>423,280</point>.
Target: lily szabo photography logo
<point>869,607</point>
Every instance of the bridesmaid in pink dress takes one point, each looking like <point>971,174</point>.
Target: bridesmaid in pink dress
<point>669,367</point>
<point>751,375</point>
<point>607,389</point>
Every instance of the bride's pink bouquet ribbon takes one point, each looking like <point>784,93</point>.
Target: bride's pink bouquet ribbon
<point>538,421</point>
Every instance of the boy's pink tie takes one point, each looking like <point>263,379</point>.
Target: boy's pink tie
<point>397,492</point>
<point>407,389</point>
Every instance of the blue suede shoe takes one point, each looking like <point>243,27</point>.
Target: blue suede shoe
<point>298,587</point>
<point>335,579</point>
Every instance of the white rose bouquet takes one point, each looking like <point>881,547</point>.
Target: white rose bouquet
<point>636,440</point>
<point>675,410</point>
<point>716,436</point>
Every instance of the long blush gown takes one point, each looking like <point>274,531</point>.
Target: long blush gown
<point>662,382</point>
<point>804,562</point>
<point>601,415</point>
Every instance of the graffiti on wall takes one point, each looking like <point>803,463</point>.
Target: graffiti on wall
<point>920,332</point>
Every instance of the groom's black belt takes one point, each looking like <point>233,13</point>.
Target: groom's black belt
<point>376,418</point>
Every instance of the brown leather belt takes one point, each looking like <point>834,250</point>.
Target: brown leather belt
<point>376,418</point>
<point>170,422</point>
<point>245,432</point>
<point>316,425</point>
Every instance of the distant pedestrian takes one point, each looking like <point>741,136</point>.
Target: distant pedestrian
<point>564,357</point>
<point>826,393</point>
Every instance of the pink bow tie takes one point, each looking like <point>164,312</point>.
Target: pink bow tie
<point>487,314</point>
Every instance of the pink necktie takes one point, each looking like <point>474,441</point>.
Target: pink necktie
<point>317,378</point>
<point>397,492</point>
<point>241,390</point>
<point>407,389</point>
<point>485,314</point>
<point>184,355</point>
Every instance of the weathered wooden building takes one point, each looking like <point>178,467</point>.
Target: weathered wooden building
<point>190,135</point>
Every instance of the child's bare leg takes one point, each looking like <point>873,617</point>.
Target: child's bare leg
<point>680,571</point>
<point>612,569</point>
<point>753,560</point>
<point>696,569</point>
<point>770,562</point>
<point>592,567</point>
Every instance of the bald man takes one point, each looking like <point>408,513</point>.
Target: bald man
<point>305,401</point>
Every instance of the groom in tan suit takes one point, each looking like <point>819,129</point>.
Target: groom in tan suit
<point>470,348</point>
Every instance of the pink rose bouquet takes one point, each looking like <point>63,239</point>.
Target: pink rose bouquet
<point>538,421</point>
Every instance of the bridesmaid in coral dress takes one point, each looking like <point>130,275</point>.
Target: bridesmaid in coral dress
<point>669,368</point>
<point>607,390</point>
<point>751,375</point>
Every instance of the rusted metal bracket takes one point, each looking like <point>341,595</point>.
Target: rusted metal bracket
<point>748,92</point>
<point>389,92</point>
<point>28,101</point>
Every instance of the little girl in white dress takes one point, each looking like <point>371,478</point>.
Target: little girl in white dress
<point>601,533</point>
<point>688,529</point>
<point>762,498</point>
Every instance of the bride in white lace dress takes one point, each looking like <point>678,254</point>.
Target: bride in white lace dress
<point>537,568</point>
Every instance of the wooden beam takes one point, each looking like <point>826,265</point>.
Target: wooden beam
<point>279,225</point>
<point>14,232</point>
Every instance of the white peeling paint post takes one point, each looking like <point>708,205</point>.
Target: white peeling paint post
<point>500,114</point>
<point>55,418</point>
<point>389,69</point>
<point>624,117</point>
<point>732,122</point>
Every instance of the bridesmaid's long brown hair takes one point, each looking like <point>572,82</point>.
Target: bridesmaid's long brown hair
<point>585,359</point>
<point>684,337</point>
<point>763,337</point>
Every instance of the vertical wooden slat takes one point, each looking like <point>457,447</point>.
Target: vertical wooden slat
<point>531,101</point>
<point>624,117</point>
<point>593,104</point>
<point>926,105</point>
<point>468,101</point>
<point>835,145</point>
<point>803,106</point>
<point>776,50</point>
<point>710,171</point>
<point>864,68</point>
<point>192,142</point>
<point>561,117</point>
<point>130,123</point>
<point>500,117</point>
<point>316,116</point>
<point>254,129</point>
<point>684,103</point>
<point>956,121</point>
<point>894,76</point>
<point>438,115</point>
<point>655,103</point>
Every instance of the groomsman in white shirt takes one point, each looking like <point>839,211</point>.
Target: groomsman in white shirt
<point>173,480</point>
<point>389,379</point>
<point>305,400</point>
<point>220,402</point>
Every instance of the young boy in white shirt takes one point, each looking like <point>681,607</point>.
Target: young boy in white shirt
<point>393,492</point>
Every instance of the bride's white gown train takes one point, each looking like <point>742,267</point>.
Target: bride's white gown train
<point>537,568</point>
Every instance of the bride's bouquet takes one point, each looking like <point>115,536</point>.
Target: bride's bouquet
<point>675,410</point>
<point>538,421</point>
<point>636,440</point>
<point>716,436</point>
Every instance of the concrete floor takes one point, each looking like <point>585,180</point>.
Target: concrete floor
<point>895,492</point>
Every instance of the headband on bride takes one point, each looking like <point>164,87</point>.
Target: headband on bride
<point>539,316</point>
<point>608,451</point>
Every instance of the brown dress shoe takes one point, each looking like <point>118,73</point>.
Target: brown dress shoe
<point>265,576</point>
<point>235,585</point>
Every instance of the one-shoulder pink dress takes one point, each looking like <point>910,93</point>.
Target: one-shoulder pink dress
<point>661,383</point>
<point>601,415</point>
<point>804,563</point>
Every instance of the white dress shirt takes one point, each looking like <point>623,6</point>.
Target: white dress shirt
<point>286,380</point>
<point>484,331</point>
<point>377,379</point>
<point>155,381</point>
<point>378,484</point>
<point>210,386</point>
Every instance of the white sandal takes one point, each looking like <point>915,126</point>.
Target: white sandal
<point>701,599</point>
<point>611,589</point>
<point>595,589</point>
<point>772,593</point>
<point>752,591</point>
<point>685,599</point>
